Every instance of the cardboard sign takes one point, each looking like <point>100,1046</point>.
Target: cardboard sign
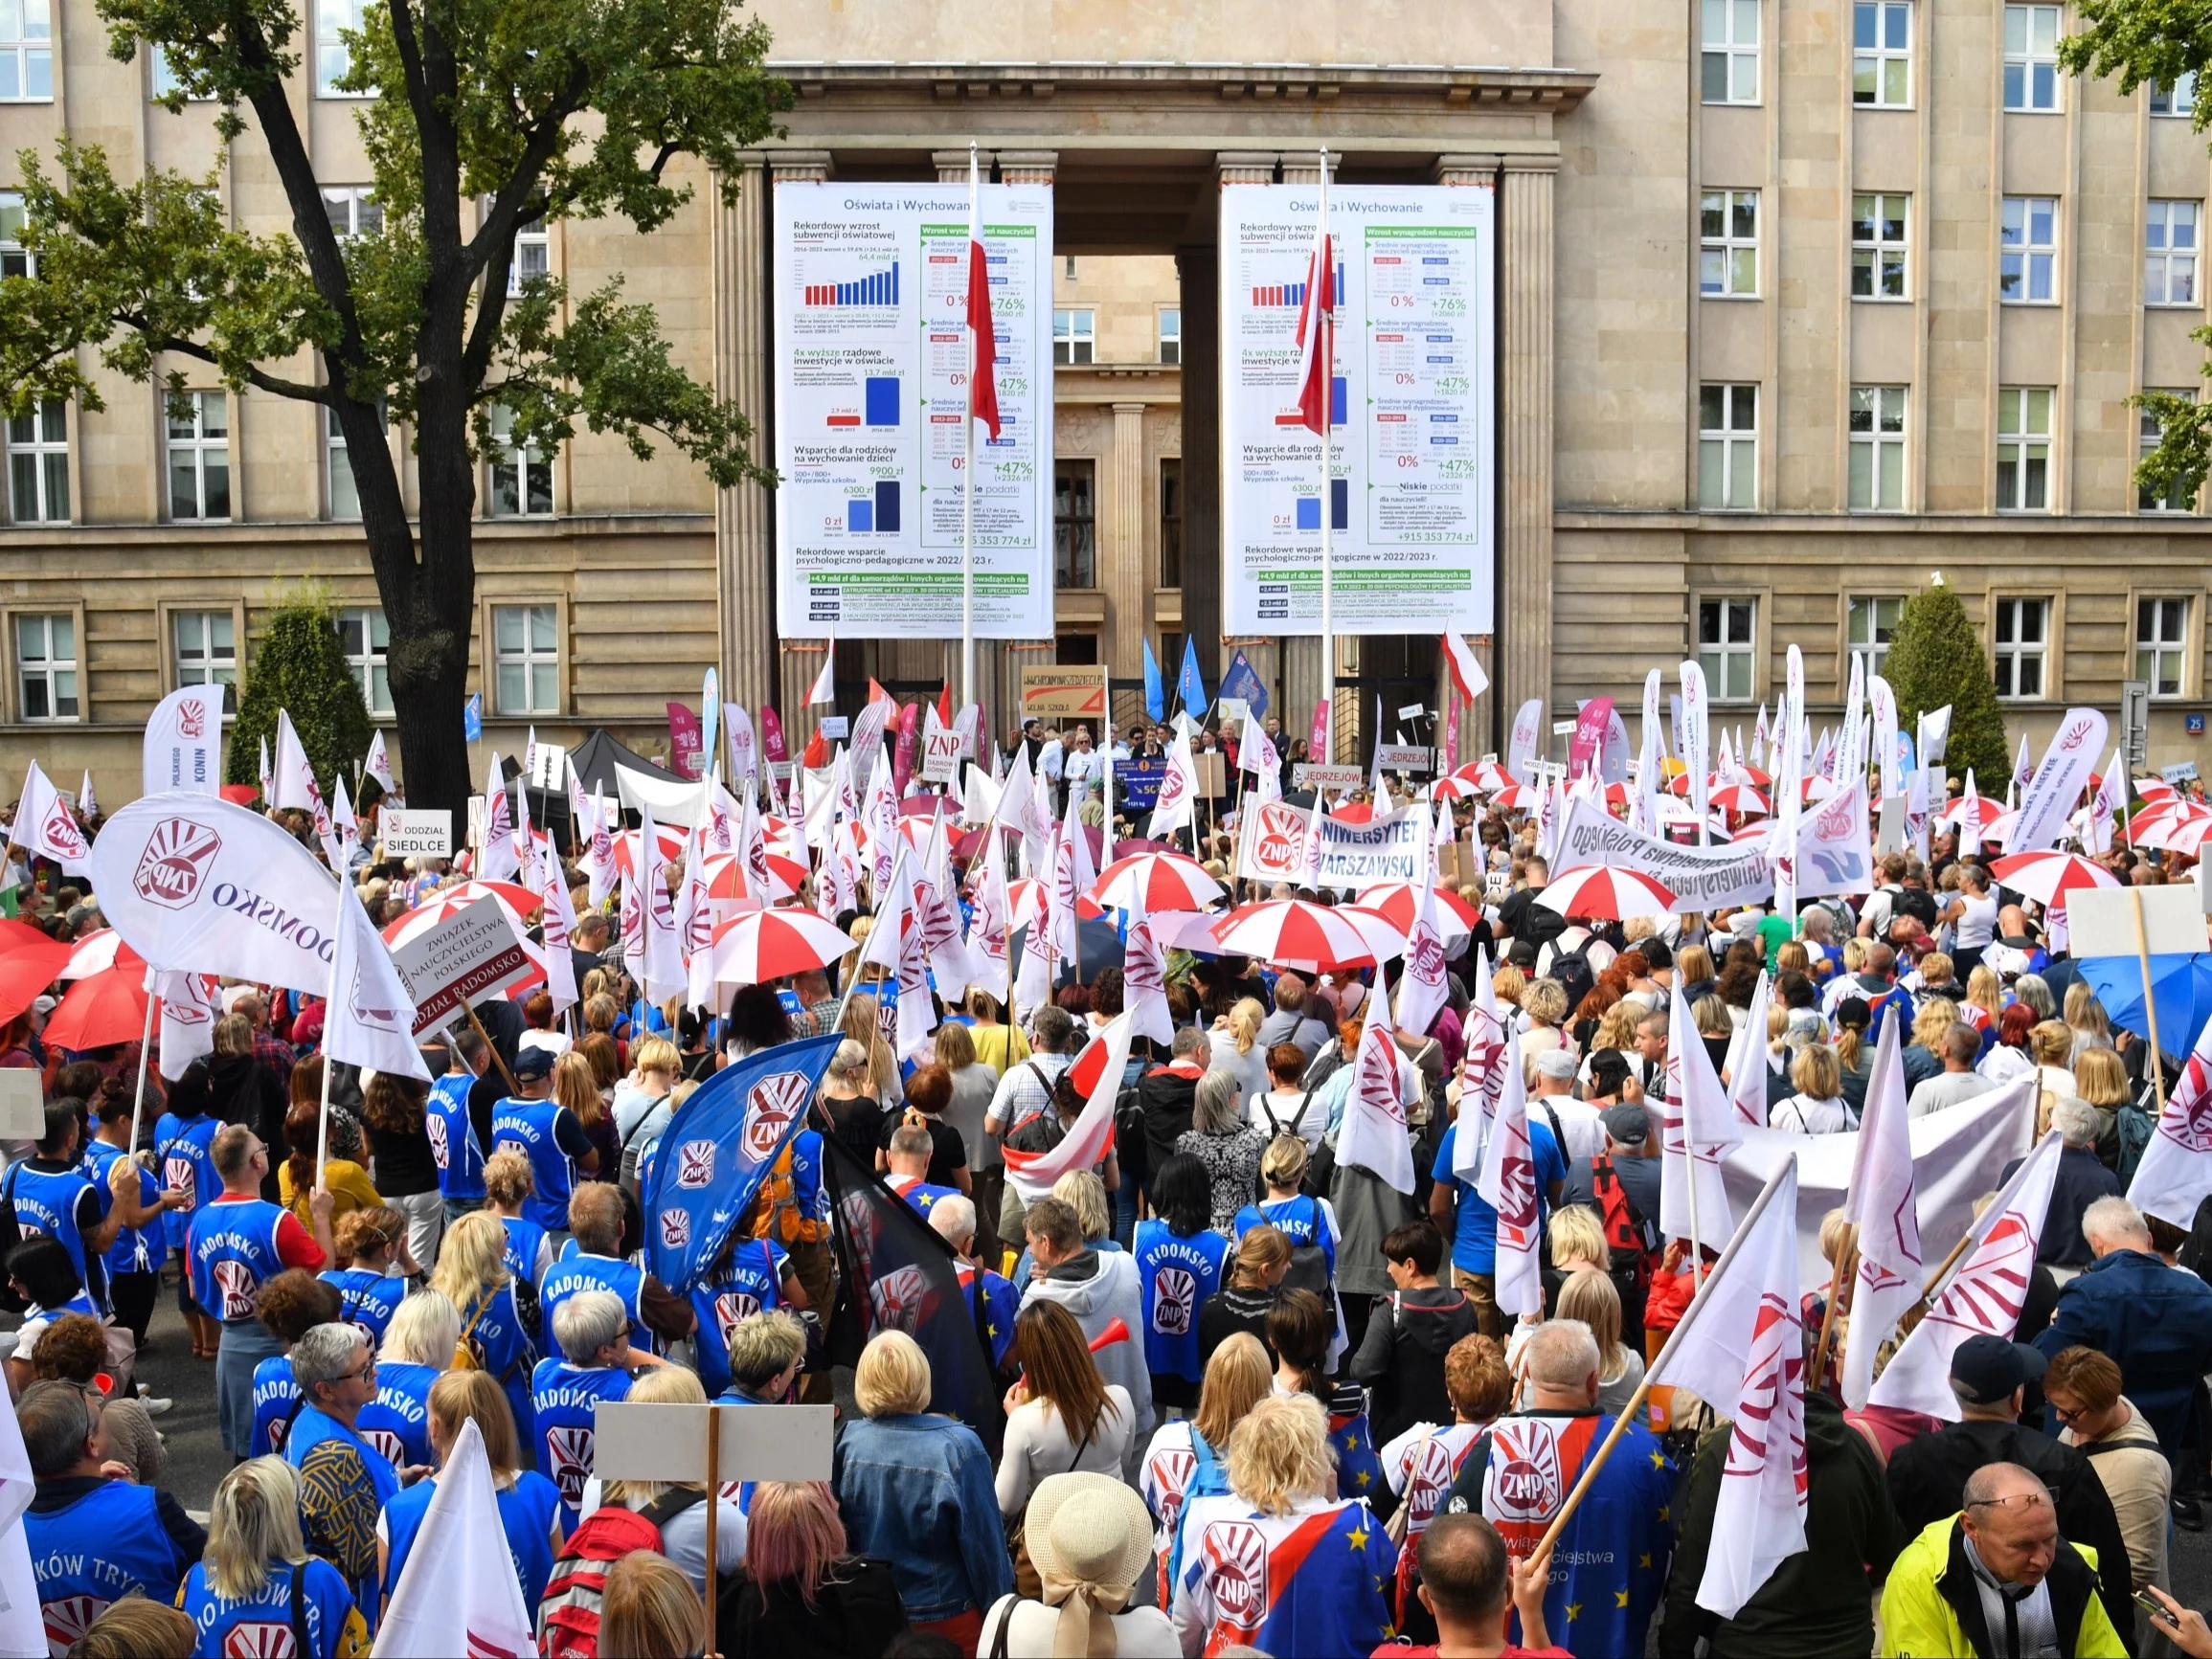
<point>2101,921</point>
<point>22,1104</point>
<point>1336,779</point>
<point>941,755</point>
<point>835,728</point>
<point>473,954</point>
<point>1406,757</point>
<point>1231,710</point>
<point>549,769</point>
<point>416,833</point>
<point>668,1443</point>
<point>1054,693</point>
<point>1212,779</point>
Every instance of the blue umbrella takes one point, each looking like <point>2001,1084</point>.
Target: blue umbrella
<point>2180,982</point>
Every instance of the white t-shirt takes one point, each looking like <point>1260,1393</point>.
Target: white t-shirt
<point>1140,1633</point>
<point>1038,1444</point>
<point>1977,924</point>
<point>1314,1125</point>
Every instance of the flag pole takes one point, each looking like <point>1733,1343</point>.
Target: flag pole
<point>2150,1001</point>
<point>969,467</point>
<point>145,1043</point>
<point>1845,1272</point>
<point>323,1131</point>
<point>1323,278</point>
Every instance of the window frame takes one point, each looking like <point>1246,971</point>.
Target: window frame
<point>26,58</point>
<point>72,664</point>
<point>50,459</point>
<point>353,198</point>
<point>2006,655</point>
<point>1067,525</point>
<point>333,58</point>
<point>1879,55</point>
<point>201,446</point>
<point>535,236</point>
<point>2028,60</point>
<point>531,658</point>
<point>526,463</point>
<point>2181,648</point>
<point>2025,436</point>
<point>2179,97</point>
<point>172,649</point>
<point>1080,338</point>
<point>1882,444</point>
<point>2146,440</point>
<point>15,260</point>
<point>1881,258</point>
<point>372,659</point>
<point>1738,446</point>
<point>2032,256</point>
<point>1714,658</point>
<point>2158,215</point>
<point>1874,648</point>
<point>1730,53</point>
<point>1169,340</point>
<point>1170,521</point>
<point>1727,243</point>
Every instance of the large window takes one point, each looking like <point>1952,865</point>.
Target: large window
<point>355,211</point>
<point>26,52</point>
<point>1882,52</point>
<point>2022,639</point>
<point>1074,335</point>
<point>1877,449</point>
<point>46,667</point>
<point>365,639</point>
<point>332,57</point>
<point>2028,253</point>
<point>206,651</point>
<point>2023,449</point>
<point>2031,57</point>
<point>1727,631</point>
<point>1727,446</point>
<point>2162,644</point>
<point>1171,334</point>
<point>533,256</point>
<point>2179,98</point>
<point>38,464</point>
<point>1075,526</point>
<point>1878,221</point>
<point>525,640</point>
<point>521,476</point>
<point>2170,237</point>
<point>1728,232</point>
<point>1868,627</point>
<point>200,455</point>
<point>1171,522</point>
<point>1729,70</point>
<point>14,262</point>
<point>345,496</point>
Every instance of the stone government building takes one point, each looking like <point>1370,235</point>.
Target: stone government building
<point>1800,302</point>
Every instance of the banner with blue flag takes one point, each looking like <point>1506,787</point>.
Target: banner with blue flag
<point>716,1150</point>
<point>1239,680</point>
<point>472,717</point>
<point>1155,687</point>
<point>1189,686</point>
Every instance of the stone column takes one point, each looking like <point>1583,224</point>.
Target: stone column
<point>1127,570</point>
<point>1525,304</point>
<point>1477,171</point>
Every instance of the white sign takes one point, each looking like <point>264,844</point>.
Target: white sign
<point>1312,774</point>
<point>2181,771</point>
<point>1562,728</point>
<point>2101,921</point>
<point>835,728</point>
<point>22,1104</point>
<point>941,755</point>
<point>474,954</point>
<point>1231,710</point>
<point>668,1442</point>
<point>1405,756</point>
<point>1700,878</point>
<point>1354,856</point>
<point>416,831</point>
<point>1413,711</point>
<point>549,767</point>
<point>1410,478</point>
<point>871,359</point>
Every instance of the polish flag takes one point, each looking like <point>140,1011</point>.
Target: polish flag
<point>1314,329</point>
<point>983,352</point>
<point>1096,1075</point>
<point>1466,673</point>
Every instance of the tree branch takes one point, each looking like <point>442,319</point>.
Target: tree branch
<point>257,377</point>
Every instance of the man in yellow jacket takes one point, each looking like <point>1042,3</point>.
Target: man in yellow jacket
<point>1996,1580</point>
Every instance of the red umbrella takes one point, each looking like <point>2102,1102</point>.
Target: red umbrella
<point>29,962</point>
<point>1296,933</point>
<point>1606,890</point>
<point>1740,798</point>
<point>1454,787</point>
<point>1163,881</point>
<point>1516,797</point>
<point>669,839</point>
<point>106,1007</point>
<point>1954,810</point>
<point>2047,877</point>
<point>764,944</point>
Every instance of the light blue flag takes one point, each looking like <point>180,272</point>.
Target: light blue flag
<point>1189,686</point>
<point>472,717</point>
<point>1155,688</point>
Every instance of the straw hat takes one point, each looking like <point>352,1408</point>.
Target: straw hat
<point>1088,1529</point>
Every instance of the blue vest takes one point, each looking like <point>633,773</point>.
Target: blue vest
<point>1177,1276</point>
<point>526,1514</point>
<point>1297,1219</point>
<point>45,1201</point>
<point>189,1166</point>
<point>751,1284</point>
<point>509,1354</point>
<point>576,1271</point>
<point>397,1423</point>
<point>529,1125</point>
<point>136,1249</point>
<point>275,1394</point>
<point>453,1140</point>
<point>263,1622</point>
<point>566,1398</point>
<point>233,1248</point>
<point>367,1300</point>
<point>107,1544</point>
<point>311,1429</point>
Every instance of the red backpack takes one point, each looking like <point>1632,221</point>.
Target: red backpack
<point>568,1613</point>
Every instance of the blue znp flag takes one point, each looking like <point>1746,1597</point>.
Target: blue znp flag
<point>1189,686</point>
<point>1155,687</point>
<point>472,717</point>
<point>1239,681</point>
<point>716,1150</point>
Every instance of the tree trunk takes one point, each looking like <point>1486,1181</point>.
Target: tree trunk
<point>427,582</point>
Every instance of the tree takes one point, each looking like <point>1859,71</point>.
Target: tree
<point>1936,658</point>
<point>536,110</point>
<point>299,666</point>
<point>2155,42</point>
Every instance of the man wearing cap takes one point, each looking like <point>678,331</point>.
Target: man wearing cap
<point>1929,1476</point>
<point>547,1133</point>
<point>1998,1579</point>
<point>1574,1124</point>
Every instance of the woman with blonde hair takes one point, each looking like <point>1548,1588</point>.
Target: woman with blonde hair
<point>2052,1044</point>
<point>2101,1078</point>
<point>861,1012</point>
<point>1576,1236</point>
<point>1984,1003</point>
<point>684,1528</point>
<point>1543,1005</point>
<point>254,1552</point>
<point>1238,1376</point>
<point>650,1610</point>
<point>804,1595</point>
<point>1236,1046</point>
<point>1279,1467</point>
<point>1590,1296</point>
<point>415,1348</point>
<point>1253,1283</point>
<point>475,1274</point>
<point>2086,1018</point>
<point>1817,1107</point>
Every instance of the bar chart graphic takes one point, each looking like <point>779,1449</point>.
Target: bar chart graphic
<point>878,288</point>
<point>1291,294</point>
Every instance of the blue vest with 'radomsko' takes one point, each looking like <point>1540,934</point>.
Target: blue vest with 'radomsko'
<point>106,1545</point>
<point>233,1249</point>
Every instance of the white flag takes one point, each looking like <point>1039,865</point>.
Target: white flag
<point>1171,809</point>
<point>630,925</point>
<point>1257,756</point>
<point>266,776</point>
<point>744,747</point>
<point>560,921</point>
<point>45,825</point>
<point>1698,1128</point>
<point>599,866</point>
<point>1884,1203</point>
<point>2112,795</point>
<point>1424,990</point>
<point>1696,731</point>
<point>294,777</point>
<point>1507,1183</point>
<point>1968,820</point>
<point>187,1019</point>
<point>1373,1136</point>
<point>1144,980</point>
<point>1481,1074</point>
<point>1741,1347</point>
<point>348,826</point>
<point>1934,737</point>
<point>2175,1173</point>
<point>497,859</point>
<point>2057,780</point>
<point>695,913</point>
<point>458,1593</point>
<point>895,943</point>
<point>880,818</point>
<point>1984,1297</point>
<point>370,1021</point>
<point>86,806</point>
<point>661,970</point>
<point>22,1622</point>
<point>988,926</point>
<point>825,687</point>
<point>1097,1076</point>
<point>936,919</point>
<point>184,743</point>
<point>379,765</point>
<point>1747,1059</point>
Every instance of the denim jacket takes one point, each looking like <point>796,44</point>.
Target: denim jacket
<point>918,1493</point>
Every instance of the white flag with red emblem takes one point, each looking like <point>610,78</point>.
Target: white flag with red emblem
<point>987,924</point>
<point>1698,1128</point>
<point>187,1019</point>
<point>1425,989</point>
<point>1741,1346</point>
<point>1883,1201</point>
<point>1178,790</point>
<point>895,943</point>
<point>1481,1074</point>
<point>1747,1059</point>
<point>560,921</point>
<point>695,926</point>
<point>1256,754</point>
<point>497,860</point>
<point>1983,1298</point>
<point>1097,1076</point>
<point>372,1017</point>
<point>661,973</point>
<point>1374,1135</point>
<point>458,1593</point>
<point>379,765</point>
<point>44,824</point>
<point>2176,1174</point>
<point>599,867</point>
<point>1145,978</point>
<point>947,951</point>
<point>880,818</point>
<point>294,777</point>
<point>1507,1183</point>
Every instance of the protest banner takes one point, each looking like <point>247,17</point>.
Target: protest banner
<point>1700,878</point>
<point>416,832</point>
<point>1353,855</point>
<point>473,954</point>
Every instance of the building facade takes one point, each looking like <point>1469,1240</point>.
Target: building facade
<point>1800,302</point>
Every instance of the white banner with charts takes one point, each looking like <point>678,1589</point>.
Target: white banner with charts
<point>1414,439</point>
<point>871,356</point>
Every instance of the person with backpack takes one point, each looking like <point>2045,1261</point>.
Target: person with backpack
<point>472,1274</point>
<point>1621,1183</point>
<point>1180,1260</point>
<point>677,1509</point>
<point>597,1362</point>
<point>1289,1107</point>
<point>1411,1334</point>
<point>804,1595</point>
<point>1307,1221</point>
<point>1099,1286</point>
<point>1254,1282</point>
<point>256,1583</point>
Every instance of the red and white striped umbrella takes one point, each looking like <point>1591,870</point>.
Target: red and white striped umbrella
<point>1742,798</point>
<point>1486,776</point>
<point>764,945</point>
<point>670,838</point>
<point>1395,902</point>
<point>2150,827</point>
<point>1516,797</point>
<point>1752,832</point>
<point>2181,834</point>
<point>2047,877</point>
<point>97,952</point>
<point>516,897</point>
<point>1998,832</point>
<point>1606,890</point>
<point>2155,789</point>
<point>1449,788</point>
<point>1026,904</point>
<point>1954,810</point>
<point>726,878</point>
<point>1162,881</point>
<point>1297,933</point>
